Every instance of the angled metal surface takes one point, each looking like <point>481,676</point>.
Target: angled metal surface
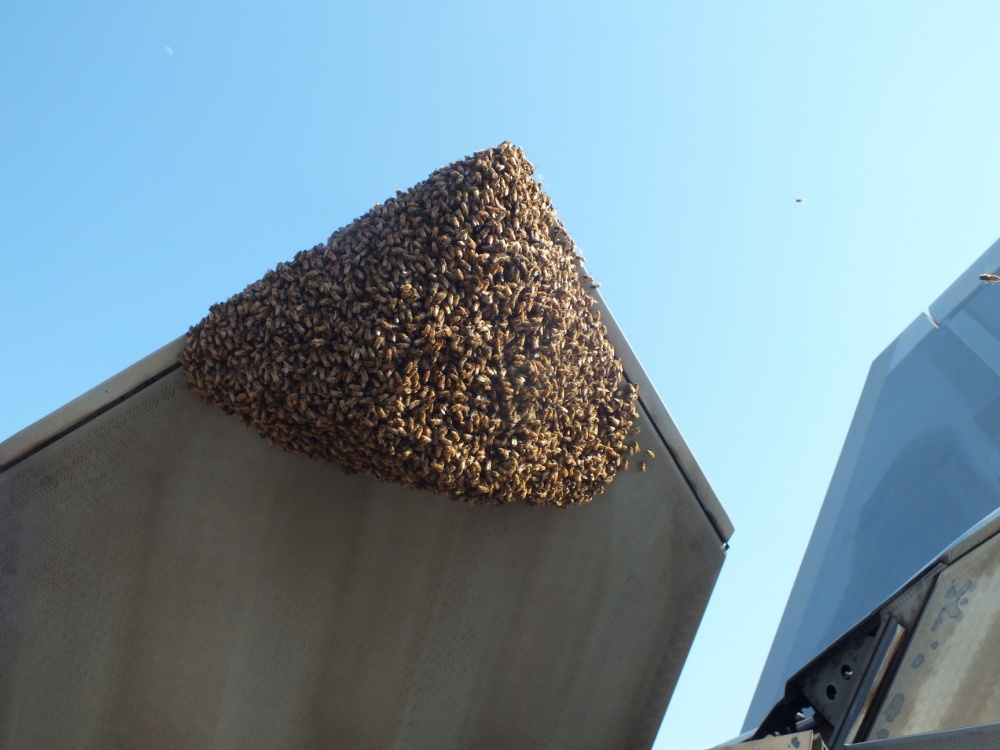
<point>920,465</point>
<point>90,404</point>
<point>168,579</point>
<point>807,740</point>
<point>985,737</point>
<point>664,424</point>
<point>920,669</point>
<point>950,672</point>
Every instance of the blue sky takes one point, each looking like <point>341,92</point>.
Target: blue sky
<point>157,157</point>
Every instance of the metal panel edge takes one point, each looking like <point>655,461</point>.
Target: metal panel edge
<point>665,425</point>
<point>93,402</point>
<point>983,737</point>
<point>164,359</point>
<point>966,284</point>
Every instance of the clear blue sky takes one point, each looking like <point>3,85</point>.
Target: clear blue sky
<point>157,157</point>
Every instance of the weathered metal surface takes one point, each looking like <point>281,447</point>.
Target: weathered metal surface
<point>950,672</point>
<point>807,740</point>
<point>168,579</point>
<point>985,737</point>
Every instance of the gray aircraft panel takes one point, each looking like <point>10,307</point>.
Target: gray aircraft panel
<point>986,737</point>
<point>168,579</point>
<point>920,465</point>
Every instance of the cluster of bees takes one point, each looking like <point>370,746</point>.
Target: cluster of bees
<point>445,341</point>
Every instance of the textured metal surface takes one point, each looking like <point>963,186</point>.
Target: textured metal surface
<point>966,738</point>
<point>882,660</point>
<point>975,536</point>
<point>807,740</point>
<point>664,425</point>
<point>920,465</point>
<point>168,579</point>
<point>90,404</point>
<point>950,673</point>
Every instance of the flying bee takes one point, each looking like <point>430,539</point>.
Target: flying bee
<point>989,278</point>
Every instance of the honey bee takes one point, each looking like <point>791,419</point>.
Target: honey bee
<point>345,336</point>
<point>989,278</point>
<point>650,453</point>
<point>642,466</point>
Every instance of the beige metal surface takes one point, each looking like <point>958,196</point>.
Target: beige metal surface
<point>664,425</point>
<point>806,740</point>
<point>950,673</point>
<point>168,579</point>
<point>90,403</point>
<point>985,737</point>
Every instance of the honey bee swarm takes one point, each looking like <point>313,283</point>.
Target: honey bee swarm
<point>444,341</point>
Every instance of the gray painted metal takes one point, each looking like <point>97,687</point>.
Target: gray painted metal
<point>664,424</point>
<point>950,672</point>
<point>920,465</point>
<point>931,666</point>
<point>807,740</point>
<point>836,681</point>
<point>168,579</point>
<point>90,404</point>
<point>966,738</point>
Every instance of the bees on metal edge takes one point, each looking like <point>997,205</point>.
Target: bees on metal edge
<point>441,341</point>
